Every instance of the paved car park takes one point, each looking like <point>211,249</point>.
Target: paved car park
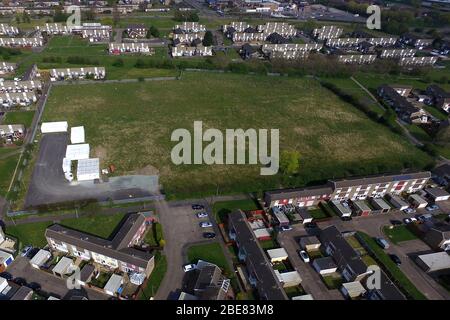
<point>52,285</point>
<point>48,184</point>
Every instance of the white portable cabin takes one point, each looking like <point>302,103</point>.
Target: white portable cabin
<point>77,135</point>
<point>77,151</point>
<point>88,169</point>
<point>54,127</point>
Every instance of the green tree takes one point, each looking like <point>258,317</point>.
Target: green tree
<point>290,162</point>
<point>154,32</point>
<point>208,39</point>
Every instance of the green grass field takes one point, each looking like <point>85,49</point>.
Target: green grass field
<point>7,167</point>
<point>19,117</point>
<point>129,125</point>
<point>211,252</point>
<point>155,278</point>
<point>33,233</point>
<point>222,209</point>
<point>399,234</point>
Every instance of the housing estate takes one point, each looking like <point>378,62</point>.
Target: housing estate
<point>397,53</point>
<point>131,47</point>
<point>7,67</point>
<point>135,31</point>
<point>441,98</point>
<point>77,73</point>
<point>349,189</point>
<point>22,42</point>
<point>327,32</point>
<point>19,86</point>
<point>357,58</point>
<point>417,61</point>
<point>187,51</point>
<point>13,99</point>
<point>115,254</point>
<point>260,272</point>
<point>8,30</point>
<point>12,132</point>
<point>190,27</point>
<point>54,29</point>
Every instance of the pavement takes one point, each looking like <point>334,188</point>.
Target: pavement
<point>52,285</point>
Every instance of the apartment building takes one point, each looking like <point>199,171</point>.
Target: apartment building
<point>354,189</point>
<point>397,53</point>
<point>186,38</point>
<point>190,27</point>
<point>19,86</point>
<point>187,51</point>
<point>96,73</point>
<point>344,42</point>
<point>383,42</point>
<point>8,30</point>
<point>250,37</point>
<point>378,186</point>
<point>22,42</point>
<point>136,31</point>
<point>235,26</point>
<point>54,29</point>
<point>417,61</point>
<point>11,133</point>
<point>357,58</point>
<point>7,67</point>
<point>441,98</point>
<point>13,99</point>
<point>131,47</point>
<point>259,269</point>
<point>116,254</point>
<point>327,32</point>
<point>282,28</point>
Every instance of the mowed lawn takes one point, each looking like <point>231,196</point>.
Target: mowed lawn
<point>130,125</point>
<point>7,167</point>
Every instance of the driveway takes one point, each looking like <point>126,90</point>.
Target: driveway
<point>311,280</point>
<point>49,283</point>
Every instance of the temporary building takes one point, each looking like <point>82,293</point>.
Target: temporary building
<point>113,284</point>
<point>277,255</point>
<point>262,234</point>
<point>88,169</point>
<point>40,258</point>
<point>53,127</point>
<point>77,135</point>
<point>77,151</point>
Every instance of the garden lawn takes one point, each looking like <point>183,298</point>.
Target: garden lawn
<point>222,209</point>
<point>130,125</point>
<point>7,167</point>
<point>33,233</point>
<point>156,277</point>
<point>399,233</point>
<point>211,252</point>
<point>19,117</point>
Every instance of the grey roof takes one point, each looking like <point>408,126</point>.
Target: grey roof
<point>268,286</point>
<point>443,170</point>
<point>86,272</point>
<point>385,178</point>
<point>325,263</point>
<point>296,193</point>
<point>116,248</point>
<point>437,192</point>
<point>388,290</point>
<point>22,293</point>
<point>343,252</point>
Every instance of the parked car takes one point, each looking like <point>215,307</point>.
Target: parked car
<point>189,267</point>
<point>396,222</point>
<point>424,217</point>
<point>409,210</point>
<point>197,207</point>
<point>347,218</point>
<point>413,219</point>
<point>311,225</point>
<point>303,255</point>
<point>205,224</point>
<point>432,207</point>
<point>202,215</point>
<point>396,259</point>
<point>285,228</point>
<point>20,281</point>
<point>209,235</point>
<point>34,286</point>
<point>382,243</point>
<point>6,275</point>
<point>407,220</point>
<point>25,251</point>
